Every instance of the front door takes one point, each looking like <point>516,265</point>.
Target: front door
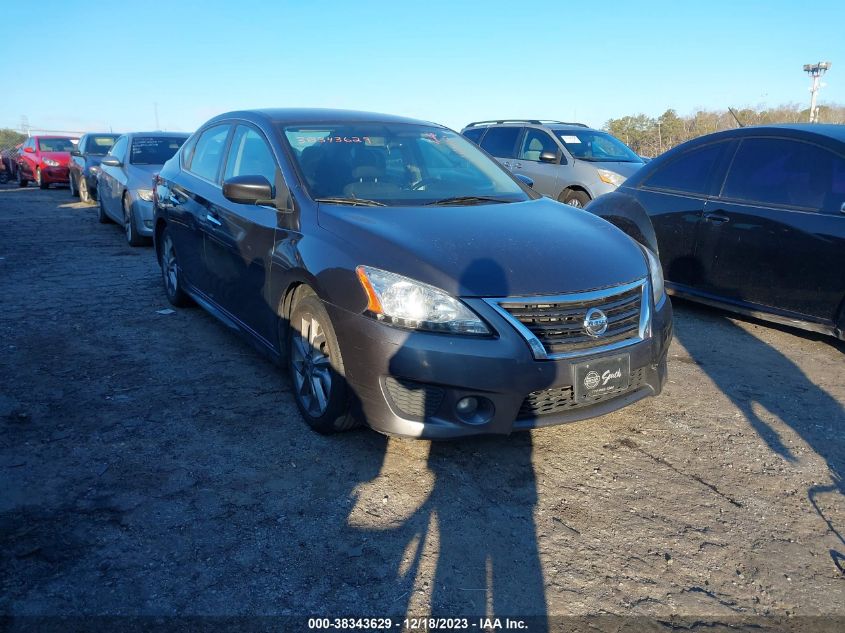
<point>546,176</point>
<point>240,237</point>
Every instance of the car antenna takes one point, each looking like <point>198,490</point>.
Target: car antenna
<point>736,118</point>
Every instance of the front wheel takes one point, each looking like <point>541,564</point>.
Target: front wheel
<point>129,227</point>
<point>72,186</point>
<point>22,182</point>
<point>84,196</point>
<point>574,198</point>
<point>316,368</point>
<point>39,181</point>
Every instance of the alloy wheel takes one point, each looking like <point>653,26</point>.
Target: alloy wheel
<point>169,267</point>
<point>312,367</point>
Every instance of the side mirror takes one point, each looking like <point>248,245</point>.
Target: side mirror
<point>528,182</point>
<point>111,161</point>
<point>548,157</point>
<point>248,190</point>
<point>29,150</point>
<point>75,152</point>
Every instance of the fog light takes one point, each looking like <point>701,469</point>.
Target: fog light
<point>148,224</point>
<point>467,406</point>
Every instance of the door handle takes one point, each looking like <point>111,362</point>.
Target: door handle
<point>518,165</point>
<point>213,220</point>
<point>716,218</point>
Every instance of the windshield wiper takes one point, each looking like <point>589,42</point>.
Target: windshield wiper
<point>457,200</point>
<point>355,202</point>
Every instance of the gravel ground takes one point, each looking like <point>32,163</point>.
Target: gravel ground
<point>155,464</point>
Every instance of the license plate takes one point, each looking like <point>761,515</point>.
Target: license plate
<point>602,376</point>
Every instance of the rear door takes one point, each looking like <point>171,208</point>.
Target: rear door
<point>238,244</point>
<point>108,183</point>
<point>500,142</point>
<point>546,176</point>
<point>776,233</point>
<point>675,194</point>
<point>196,203</point>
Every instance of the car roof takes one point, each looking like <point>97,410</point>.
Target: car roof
<point>317,115</point>
<point>829,130</point>
<point>159,133</point>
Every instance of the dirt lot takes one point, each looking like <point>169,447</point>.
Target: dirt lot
<point>154,464</point>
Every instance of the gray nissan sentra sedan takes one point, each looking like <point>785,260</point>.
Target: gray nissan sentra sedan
<point>407,280</point>
<point>125,181</point>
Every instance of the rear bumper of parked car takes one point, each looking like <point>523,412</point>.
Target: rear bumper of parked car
<point>409,383</point>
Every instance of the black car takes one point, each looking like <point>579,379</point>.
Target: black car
<point>405,278</point>
<point>752,220</point>
<point>85,163</point>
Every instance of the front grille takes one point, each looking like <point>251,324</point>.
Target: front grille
<point>413,399</point>
<point>560,399</point>
<point>557,323</point>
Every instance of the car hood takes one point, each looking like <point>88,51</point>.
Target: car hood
<point>63,158</point>
<point>492,250</point>
<point>141,176</point>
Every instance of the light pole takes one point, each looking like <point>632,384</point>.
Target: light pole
<point>815,71</point>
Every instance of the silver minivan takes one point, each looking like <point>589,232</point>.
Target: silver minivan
<point>569,162</point>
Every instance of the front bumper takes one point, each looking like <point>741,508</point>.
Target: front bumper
<point>143,213</point>
<point>408,383</point>
<point>54,175</point>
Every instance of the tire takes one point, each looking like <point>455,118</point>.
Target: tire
<point>84,196</point>
<point>170,273</point>
<point>316,368</point>
<point>132,237</point>
<point>22,182</point>
<point>41,184</point>
<point>102,218</point>
<point>73,191</point>
<point>574,198</point>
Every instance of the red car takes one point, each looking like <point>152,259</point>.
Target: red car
<point>45,159</point>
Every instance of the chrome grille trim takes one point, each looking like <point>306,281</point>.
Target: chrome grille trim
<point>539,350</point>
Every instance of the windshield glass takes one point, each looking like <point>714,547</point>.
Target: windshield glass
<point>153,150</point>
<point>99,145</point>
<point>396,164</point>
<point>596,147</point>
<point>55,145</point>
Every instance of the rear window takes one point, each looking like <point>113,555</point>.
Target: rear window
<point>153,150</point>
<point>500,141</point>
<point>691,172</point>
<point>786,172</point>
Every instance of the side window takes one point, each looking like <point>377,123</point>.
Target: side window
<point>249,155</point>
<point>691,172</point>
<point>500,141</point>
<point>188,151</point>
<point>474,134</point>
<point>785,172</point>
<point>118,150</point>
<point>535,143</point>
<point>208,152</point>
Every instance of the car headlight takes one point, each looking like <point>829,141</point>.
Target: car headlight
<point>655,271</point>
<point>51,163</point>
<point>403,302</point>
<point>610,177</point>
<point>93,169</point>
<point>145,194</point>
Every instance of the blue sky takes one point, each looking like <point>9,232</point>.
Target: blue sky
<point>98,65</point>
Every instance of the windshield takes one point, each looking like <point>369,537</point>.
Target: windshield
<point>396,164</point>
<point>596,147</point>
<point>99,145</point>
<point>154,150</point>
<point>55,145</point>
